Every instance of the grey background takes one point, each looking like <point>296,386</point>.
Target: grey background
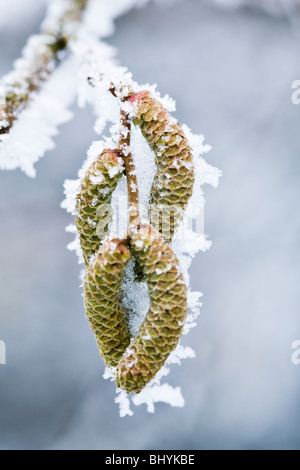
<point>230,73</point>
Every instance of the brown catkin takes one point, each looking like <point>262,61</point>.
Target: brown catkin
<point>174,180</point>
<point>161,330</point>
<point>102,298</point>
<point>93,210</point>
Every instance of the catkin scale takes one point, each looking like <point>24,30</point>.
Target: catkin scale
<point>174,180</point>
<point>102,299</point>
<point>161,330</point>
<point>93,201</point>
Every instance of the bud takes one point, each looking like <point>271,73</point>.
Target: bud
<point>102,298</point>
<point>97,188</point>
<point>174,180</point>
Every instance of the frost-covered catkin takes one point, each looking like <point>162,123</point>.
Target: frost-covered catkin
<point>174,180</point>
<point>40,57</point>
<point>161,330</point>
<point>102,298</point>
<point>93,210</point>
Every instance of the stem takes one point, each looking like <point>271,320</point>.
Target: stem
<point>124,145</point>
<point>132,186</point>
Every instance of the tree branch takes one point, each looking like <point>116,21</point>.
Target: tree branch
<point>41,56</point>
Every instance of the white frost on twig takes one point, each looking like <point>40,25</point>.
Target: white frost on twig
<point>187,242</point>
<point>32,135</point>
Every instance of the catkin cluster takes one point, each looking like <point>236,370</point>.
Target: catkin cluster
<point>136,360</point>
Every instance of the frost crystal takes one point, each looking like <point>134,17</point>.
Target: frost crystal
<point>158,394</point>
<point>136,299</point>
<point>32,135</point>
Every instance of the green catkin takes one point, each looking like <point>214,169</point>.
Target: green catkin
<point>102,298</point>
<point>93,201</point>
<point>174,180</point>
<point>161,330</point>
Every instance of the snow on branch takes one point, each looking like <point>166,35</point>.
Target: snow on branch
<point>40,57</point>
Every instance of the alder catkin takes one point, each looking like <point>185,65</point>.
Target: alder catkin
<point>93,210</point>
<point>137,360</point>
<point>102,298</point>
<point>161,330</point>
<point>174,180</point>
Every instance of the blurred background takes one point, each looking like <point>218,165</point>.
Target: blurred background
<point>230,71</point>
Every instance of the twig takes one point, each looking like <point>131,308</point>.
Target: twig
<point>41,56</point>
<point>124,148</point>
<point>132,186</point>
